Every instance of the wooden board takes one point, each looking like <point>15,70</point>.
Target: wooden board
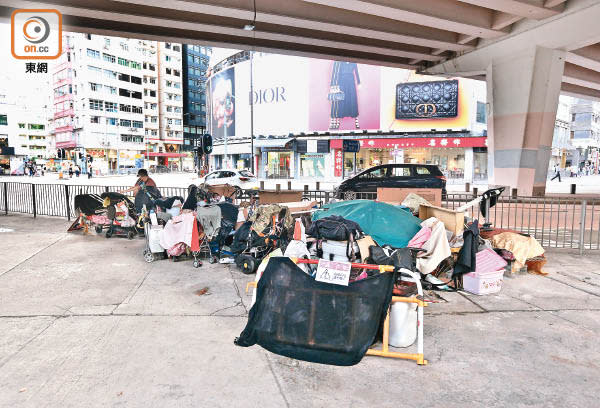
<point>283,196</point>
<point>453,220</point>
<point>397,195</point>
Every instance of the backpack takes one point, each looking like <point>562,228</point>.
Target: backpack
<point>335,228</point>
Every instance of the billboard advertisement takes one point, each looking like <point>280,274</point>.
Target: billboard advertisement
<point>411,102</point>
<point>279,94</point>
<point>343,96</point>
<point>222,103</point>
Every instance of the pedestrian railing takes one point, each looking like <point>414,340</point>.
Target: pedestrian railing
<point>565,222</point>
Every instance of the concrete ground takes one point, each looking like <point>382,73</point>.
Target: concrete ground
<point>85,322</point>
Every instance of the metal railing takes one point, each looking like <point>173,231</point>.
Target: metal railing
<point>556,222</point>
<point>565,222</point>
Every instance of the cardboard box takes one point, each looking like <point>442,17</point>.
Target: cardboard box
<point>397,195</point>
<point>453,220</point>
<point>283,196</point>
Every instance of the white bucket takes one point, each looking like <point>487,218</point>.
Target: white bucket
<point>403,324</point>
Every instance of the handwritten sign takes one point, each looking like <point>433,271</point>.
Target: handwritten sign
<point>334,272</point>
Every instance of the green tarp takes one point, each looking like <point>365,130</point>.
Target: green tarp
<point>387,224</point>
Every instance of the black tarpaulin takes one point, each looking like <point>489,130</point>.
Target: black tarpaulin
<point>298,317</point>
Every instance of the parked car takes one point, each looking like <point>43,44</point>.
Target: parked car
<point>161,168</point>
<point>241,179</point>
<point>127,169</point>
<point>393,175</point>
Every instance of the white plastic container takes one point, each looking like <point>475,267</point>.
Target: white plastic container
<point>338,250</point>
<point>154,233</point>
<point>483,283</point>
<point>403,324</point>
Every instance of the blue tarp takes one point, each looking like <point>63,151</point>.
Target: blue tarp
<point>387,224</point>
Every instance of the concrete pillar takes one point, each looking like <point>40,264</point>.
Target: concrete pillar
<point>523,93</point>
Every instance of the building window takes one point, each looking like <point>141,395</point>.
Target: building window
<point>21,125</point>
<point>135,65</point>
<point>111,121</point>
<point>177,85</point>
<point>123,62</point>
<point>178,121</point>
<point>136,95</point>
<point>169,108</point>
<point>110,74</point>
<point>94,87</point>
<point>136,109</point>
<point>177,97</point>
<point>169,84</point>
<point>152,80</point>
<point>110,90</point>
<point>481,112</point>
<point>4,120</point>
<point>138,124</point>
<point>95,104</point>
<point>168,71</point>
<point>124,92</point>
<point>95,70</point>
<point>94,119</point>
<point>125,122</point>
<point>176,72</point>
<point>93,53</point>
<point>109,58</point>
<point>168,46</point>
<point>176,48</point>
<point>177,109</point>
<point>153,119</point>
<point>124,46</point>
<point>125,108</point>
<point>169,121</point>
<point>111,106</point>
<point>168,58</point>
<point>152,67</point>
<point>152,94</point>
<point>124,77</point>
<point>107,42</point>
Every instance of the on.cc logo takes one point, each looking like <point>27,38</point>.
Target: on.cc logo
<point>36,29</point>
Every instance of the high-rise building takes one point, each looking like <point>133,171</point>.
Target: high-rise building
<point>585,133</point>
<point>100,97</point>
<point>167,151</point>
<point>195,64</point>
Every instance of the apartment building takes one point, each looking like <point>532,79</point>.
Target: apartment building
<point>166,149</point>
<point>23,122</point>
<point>102,86</point>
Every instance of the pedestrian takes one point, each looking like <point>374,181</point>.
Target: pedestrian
<point>90,171</point>
<point>556,173</point>
<point>70,171</point>
<point>77,170</point>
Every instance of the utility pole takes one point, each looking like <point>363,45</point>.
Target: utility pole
<point>252,110</point>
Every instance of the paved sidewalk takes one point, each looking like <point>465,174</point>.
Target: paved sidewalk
<point>85,322</point>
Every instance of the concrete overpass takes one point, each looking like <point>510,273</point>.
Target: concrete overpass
<point>528,51</point>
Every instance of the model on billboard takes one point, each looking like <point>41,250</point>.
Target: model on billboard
<point>222,109</point>
<point>343,93</point>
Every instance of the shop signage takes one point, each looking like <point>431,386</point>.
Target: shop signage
<point>351,146</point>
<point>338,163</point>
<point>334,272</point>
<point>398,143</point>
<point>270,95</point>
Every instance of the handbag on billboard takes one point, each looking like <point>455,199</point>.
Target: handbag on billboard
<point>336,94</point>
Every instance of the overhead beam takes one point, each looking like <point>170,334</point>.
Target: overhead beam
<point>422,38</point>
<point>587,57</point>
<point>580,92</point>
<point>475,21</point>
<point>576,75</point>
<point>534,9</point>
<point>578,25</point>
<point>239,32</point>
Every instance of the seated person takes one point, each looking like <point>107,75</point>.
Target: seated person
<point>148,188</point>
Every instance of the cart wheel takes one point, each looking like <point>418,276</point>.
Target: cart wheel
<point>108,234</point>
<point>148,256</point>
<point>98,229</point>
<point>197,263</point>
<point>213,259</point>
<point>246,263</point>
<point>130,235</point>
